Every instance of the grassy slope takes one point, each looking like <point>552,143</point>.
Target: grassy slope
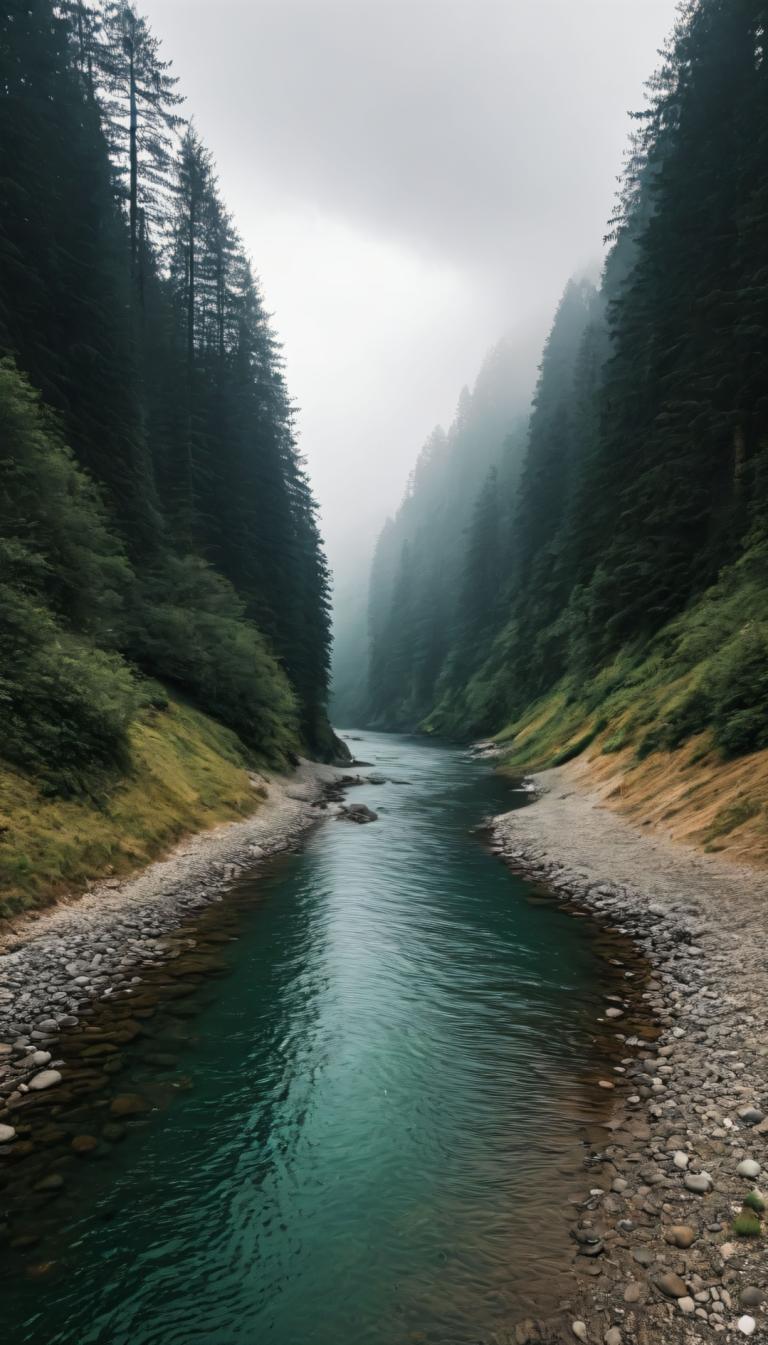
<point>189,773</point>
<point>646,729</point>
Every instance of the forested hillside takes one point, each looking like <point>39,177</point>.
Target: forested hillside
<point>157,529</point>
<point>618,590</point>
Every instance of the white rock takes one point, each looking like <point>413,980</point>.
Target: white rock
<point>7,1133</point>
<point>46,1079</point>
<point>38,1058</point>
<point>612,1336</point>
<point>579,1330</point>
<point>746,1325</point>
<point>749,1168</point>
<point>681,1160</point>
<point>686,1305</point>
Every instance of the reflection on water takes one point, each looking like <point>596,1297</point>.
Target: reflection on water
<point>365,1132</point>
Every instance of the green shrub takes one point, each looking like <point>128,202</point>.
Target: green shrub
<point>738,694</point>
<point>189,629</point>
<point>747,1224</point>
<point>65,706</point>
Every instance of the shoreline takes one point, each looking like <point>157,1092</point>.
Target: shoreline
<point>58,965</point>
<point>657,1260</point>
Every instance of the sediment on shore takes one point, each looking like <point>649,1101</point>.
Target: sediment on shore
<point>56,965</point>
<point>664,1248</point>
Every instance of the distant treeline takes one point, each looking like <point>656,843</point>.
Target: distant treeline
<point>642,474</point>
<point>155,515</point>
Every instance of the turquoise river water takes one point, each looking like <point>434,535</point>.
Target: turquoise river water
<point>369,1123</point>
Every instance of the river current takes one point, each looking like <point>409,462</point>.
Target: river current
<point>371,1122</point>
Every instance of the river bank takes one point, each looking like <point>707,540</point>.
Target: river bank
<point>655,1248</point>
<point>55,965</point>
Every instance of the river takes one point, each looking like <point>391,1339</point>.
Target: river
<point>369,1125</point>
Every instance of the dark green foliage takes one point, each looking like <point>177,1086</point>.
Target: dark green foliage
<point>738,695</point>
<point>65,705</point>
<point>190,631</point>
<point>188,548</point>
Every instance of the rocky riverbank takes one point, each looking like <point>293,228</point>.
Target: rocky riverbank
<point>55,966</point>
<point>665,1248</point>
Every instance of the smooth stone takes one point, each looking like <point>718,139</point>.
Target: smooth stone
<point>612,1336</point>
<point>749,1167</point>
<point>699,1182</point>
<point>633,1292</point>
<point>681,1160</point>
<point>746,1325</point>
<point>7,1133</point>
<point>579,1330</point>
<point>48,1025</point>
<point>671,1285</point>
<point>38,1058</point>
<point>686,1305</point>
<point>46,1079</point>
<point>751,1297</point>
<point>681,1235</point>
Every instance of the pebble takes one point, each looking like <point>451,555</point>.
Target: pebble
<point>686,1305</point>
<point>751,1297</point>
<point>46,1079</point>
<point>681,1235</point>
<point>671,1285</point>
<point>633,1292</point>
<point>612,1336</point>
<point>748,1167</point>
<point>746,1325</point>
<point>700,1182</point>
<point>579,1330</point>
<point>681,1160</point>
<point>751,1116</point>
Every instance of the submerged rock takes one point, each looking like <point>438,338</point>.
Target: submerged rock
<point>358,812</point>
<point>129,1104</point>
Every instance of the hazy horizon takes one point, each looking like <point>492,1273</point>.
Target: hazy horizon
<point>396,240</point>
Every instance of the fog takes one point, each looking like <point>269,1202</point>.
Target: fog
<point>412,178</point>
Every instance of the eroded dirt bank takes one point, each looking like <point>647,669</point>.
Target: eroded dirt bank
<point>657,1255</point>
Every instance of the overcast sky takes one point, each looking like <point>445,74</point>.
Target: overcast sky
<point>412,178</point>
